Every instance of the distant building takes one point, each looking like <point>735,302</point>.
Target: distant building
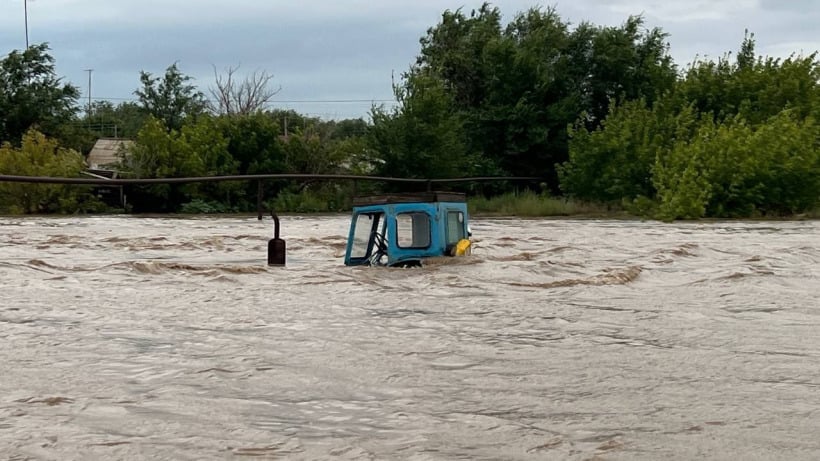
<point>103,162</point>
<point>107,154</point>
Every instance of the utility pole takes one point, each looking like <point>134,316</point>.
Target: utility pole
<point>88,111</point>
<point>25,14</point>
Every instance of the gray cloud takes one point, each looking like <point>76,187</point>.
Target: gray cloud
<point>345,49</point>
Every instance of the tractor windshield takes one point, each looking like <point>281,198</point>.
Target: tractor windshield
<point>368,236</point>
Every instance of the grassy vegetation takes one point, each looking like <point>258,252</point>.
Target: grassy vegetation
<point>323,199</point>
<point>814,214</point>
<point>329,198</point>
<point>530,204</point>
<point>523,204</point>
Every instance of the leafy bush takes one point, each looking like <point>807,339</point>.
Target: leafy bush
<point>730,140</point>
<point>731,169</point>
<point>40,156</point>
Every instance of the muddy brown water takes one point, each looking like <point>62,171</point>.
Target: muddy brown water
<point>136,338</point>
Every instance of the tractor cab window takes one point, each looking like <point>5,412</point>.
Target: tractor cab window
<point>455,227</point>
<point>413,230</point>
<point>367,226</point>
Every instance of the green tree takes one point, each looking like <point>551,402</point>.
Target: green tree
<point>424,137</point>
<point>348,128</point>
<point>107,120</point>
<point>788,177</point>
<point>32,96</point>
<point>731,168</point>
<point>198,149</point>
<point>513,90</point>
<point>253,142</point>
<point>171,99</point>
<point>40,156</point>
<point>755,88</point>
<point>355,155</point>
<point>681,175</point>
<point>308,153</point>
<point>613,162</point>
<point>731,139</point>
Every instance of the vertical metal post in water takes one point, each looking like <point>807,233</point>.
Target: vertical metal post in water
<point>259,199</point>
<point>276,246</point>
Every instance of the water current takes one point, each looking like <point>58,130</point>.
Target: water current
<point>169,338</point>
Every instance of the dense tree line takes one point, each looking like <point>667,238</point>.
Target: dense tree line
<point>176,133</point>
<point>603,114</point>
<point>484,98</point>
<point>736,137</point>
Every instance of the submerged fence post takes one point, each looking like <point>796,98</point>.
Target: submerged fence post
<point>259,199</point>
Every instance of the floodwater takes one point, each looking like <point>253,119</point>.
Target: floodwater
<point>161,338</point>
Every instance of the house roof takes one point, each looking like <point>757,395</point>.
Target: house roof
<point>106,152</point>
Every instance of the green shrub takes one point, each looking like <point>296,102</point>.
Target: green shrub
<point>41,156</point>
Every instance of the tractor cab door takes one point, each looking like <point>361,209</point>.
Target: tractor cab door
<point>367,240</point>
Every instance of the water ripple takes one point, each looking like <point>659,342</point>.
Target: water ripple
<point>169,338</point>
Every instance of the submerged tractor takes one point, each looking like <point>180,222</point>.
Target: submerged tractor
<point>402,230</point>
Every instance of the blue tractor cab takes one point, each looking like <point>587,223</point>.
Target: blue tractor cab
<point>400,230</point>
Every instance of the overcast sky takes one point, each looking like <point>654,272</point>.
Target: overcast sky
<point>333,57</point>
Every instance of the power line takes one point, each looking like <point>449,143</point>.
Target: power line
<point>331,101</point>
<point>280,101</point>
